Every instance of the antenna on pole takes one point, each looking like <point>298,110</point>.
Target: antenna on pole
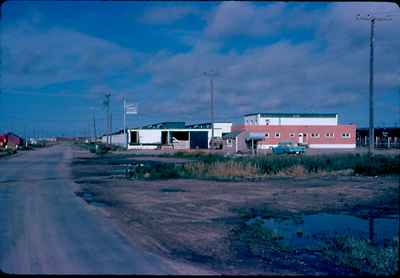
<point>212,74</point>
<point>372,19</point>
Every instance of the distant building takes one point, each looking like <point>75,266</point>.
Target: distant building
<point>385,137</point>
<point>170,135</point>
<point>266,130</point>
<point>10,141</point>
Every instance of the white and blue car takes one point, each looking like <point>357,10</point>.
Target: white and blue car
<point>287,147</point>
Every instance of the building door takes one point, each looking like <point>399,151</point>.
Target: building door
<point>134,138</point>
<point>199,139</point>
<point>164,137</point>
<point>301,140</point>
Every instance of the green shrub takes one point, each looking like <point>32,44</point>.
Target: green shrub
<point>98,148</point>
<point>155,171</point>
<point>258,240</point>
<point>362,256</point>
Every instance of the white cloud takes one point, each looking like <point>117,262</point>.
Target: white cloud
<point>324,74</point>
<point>37,58</point>
<point>243,18</point>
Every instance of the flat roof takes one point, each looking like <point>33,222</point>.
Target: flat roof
<point>165,125</point>
<point>295,115</point>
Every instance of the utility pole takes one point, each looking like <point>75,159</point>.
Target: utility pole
<point>110,128</point>
<point>124,125</point>
<point>212,74</point>
<point>106,103</point>
<point>94,126</point>
<point>372,19</point>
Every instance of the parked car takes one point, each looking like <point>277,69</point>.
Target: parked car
<point>288,148</point>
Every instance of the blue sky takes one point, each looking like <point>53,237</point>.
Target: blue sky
<point>60,58</point>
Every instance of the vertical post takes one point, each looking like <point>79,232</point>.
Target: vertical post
<point>212,107</point>
<point>371,91</point>
<point>124,126</point>
<point>94,127</point>
<point>211,75</point>
<point>110,128</point>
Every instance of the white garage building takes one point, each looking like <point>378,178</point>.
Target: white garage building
<point>171,135</point>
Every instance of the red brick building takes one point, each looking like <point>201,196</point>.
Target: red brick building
<point>265,130</point>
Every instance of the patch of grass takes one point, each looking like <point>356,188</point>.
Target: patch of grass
<point>154,171</point>
<point>197,155</point>
<point>363,257</point>
<point>258,241</point>
<point>219,169</point>
<point>213,166</point>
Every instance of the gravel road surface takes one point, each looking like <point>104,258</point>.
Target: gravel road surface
<point>46,229</point>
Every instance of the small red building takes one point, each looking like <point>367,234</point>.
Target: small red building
<point>10,141</point>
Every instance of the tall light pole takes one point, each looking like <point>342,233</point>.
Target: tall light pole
<point>372,20</point>
<point>212,74</point>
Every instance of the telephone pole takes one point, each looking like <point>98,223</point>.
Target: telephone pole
<point>94,124</point>
<point>212,74</point>
<point>106,103</point>
<point>372,19</point>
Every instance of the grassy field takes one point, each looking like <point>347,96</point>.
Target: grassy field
<point>211,166</point>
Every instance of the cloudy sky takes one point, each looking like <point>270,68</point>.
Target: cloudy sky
<point>60,58</point>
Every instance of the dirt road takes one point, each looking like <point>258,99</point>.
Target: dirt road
<point>45,228</point>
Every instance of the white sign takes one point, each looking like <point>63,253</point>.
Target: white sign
<point>131,108</point>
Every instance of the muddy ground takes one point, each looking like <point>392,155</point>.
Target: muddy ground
<point>192,221</point>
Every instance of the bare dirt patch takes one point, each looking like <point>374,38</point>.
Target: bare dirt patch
<point>192,220</point>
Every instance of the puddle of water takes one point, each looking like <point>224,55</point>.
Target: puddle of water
<point>308,233</point>
<point>89,198</point>
<point>99,204</point>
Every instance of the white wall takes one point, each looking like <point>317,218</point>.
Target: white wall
<point>153,136</point>
<point>149,136</point>
<point>116,139</point>
<point>220,128</point>
<point>290,120</point>
<point>139,147</point>
<point>308,121</point>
